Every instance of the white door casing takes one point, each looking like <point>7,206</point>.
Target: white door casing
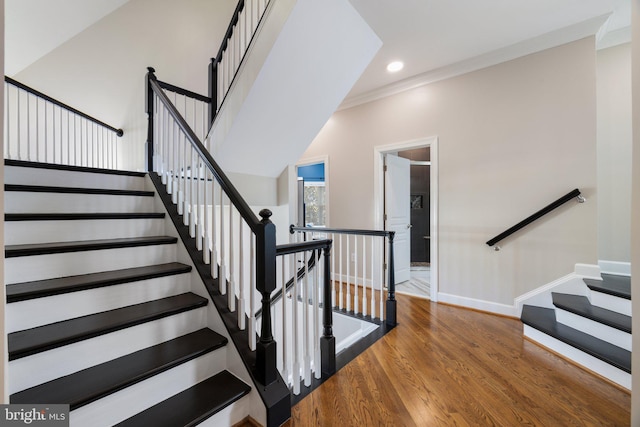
<point>398,213</point>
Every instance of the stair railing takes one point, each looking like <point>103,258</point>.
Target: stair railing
<point>306,345</point>
<point>39,128</point>
<point>573,194</point>
<point>359,282</point>
<point>236,43</point>
<point>214,211</point>
<point>239,248</point>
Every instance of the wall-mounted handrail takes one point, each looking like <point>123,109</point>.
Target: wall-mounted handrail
<point>61,104</point>
<point>542,212</point>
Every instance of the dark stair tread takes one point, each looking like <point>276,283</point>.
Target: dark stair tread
<point>544,319</point>
<point>581,306</point>
<point>44,288</point>
<point>31,341</point>
<point>37,165</point>
<point>11,251</point>
<point>91,384</point>
<point>193,405</point>
<point>81,216</point>
<point>75,190</point>
<point>619,286</point>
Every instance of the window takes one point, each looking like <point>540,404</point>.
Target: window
<point>315,206</point>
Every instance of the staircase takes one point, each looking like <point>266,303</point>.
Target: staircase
<point>591,327</point>
<point>100,314</point>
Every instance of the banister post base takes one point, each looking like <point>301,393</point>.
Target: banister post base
<point>328,355</point>
<point>266,371</point>
<point>391,313</point>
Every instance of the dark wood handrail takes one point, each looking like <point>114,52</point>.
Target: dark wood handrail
<point>234,196</point>
<point>229,32</point>
<point>61,104</point>
<point>551,206</point>
<point>183,91</point>
<point>381,233</point>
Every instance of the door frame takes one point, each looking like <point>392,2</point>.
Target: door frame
<point>378,195</point>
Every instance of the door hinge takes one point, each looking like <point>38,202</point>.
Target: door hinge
<point>385,217</point>
<point>384,266</point>
<point>385,168</point>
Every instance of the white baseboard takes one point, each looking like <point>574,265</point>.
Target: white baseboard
<point>615,267</point>
<point>476,304</point>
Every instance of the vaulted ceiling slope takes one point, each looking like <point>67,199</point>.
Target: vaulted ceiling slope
<point>34,28</point>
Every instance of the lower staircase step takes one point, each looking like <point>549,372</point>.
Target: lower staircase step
<point>11,251</point>
<point>31,341</point>
<point>93,383</point>
<point>544,320</point>
<point>44,288</point>
<point>611,284</point>
<point>193,405</point>
<point>580,305</point>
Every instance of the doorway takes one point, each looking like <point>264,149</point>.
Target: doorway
<point>421,200</point>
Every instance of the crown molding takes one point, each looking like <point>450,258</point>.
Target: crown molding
<point>537,44</point>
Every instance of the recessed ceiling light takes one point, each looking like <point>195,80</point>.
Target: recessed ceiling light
<point>395,66</point>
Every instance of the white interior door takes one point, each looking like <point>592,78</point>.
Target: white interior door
<point>398,212</point>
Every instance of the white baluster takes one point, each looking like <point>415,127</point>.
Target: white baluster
<point>341,260</point>
<point>285,352</point>
<point>317,313</point>
<point>231,296</point>
<point>306,359</point>
<point>355,275</point>
<point>206,243</point>
<point>222,279</point>
<point>213,240</point>
<point>241,284</point>
<point>252,292</point>
<point>364,276</point>
<point>296,329</point>
<point>373,294</point>
<point>348,274</point>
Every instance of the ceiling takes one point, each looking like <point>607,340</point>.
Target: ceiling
<point>434,38</point>
<point>440,38</point>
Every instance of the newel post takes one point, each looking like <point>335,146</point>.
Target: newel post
<point>327,341</point>
<point>391,293</point>
<point>213,90</point>
<point>266,370</point>
<point>149,110</point>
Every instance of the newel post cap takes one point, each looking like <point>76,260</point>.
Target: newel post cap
<point>265,214</point>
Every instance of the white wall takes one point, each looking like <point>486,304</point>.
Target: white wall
<point>4,398</point>
<point>512,138</point>
<point>614,153</point>
<point>635,225</point>
<point>108,60</point>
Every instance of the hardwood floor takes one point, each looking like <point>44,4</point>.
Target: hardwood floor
<point>445,366</point>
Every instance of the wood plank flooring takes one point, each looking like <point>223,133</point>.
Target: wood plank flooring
<point>446,366</point>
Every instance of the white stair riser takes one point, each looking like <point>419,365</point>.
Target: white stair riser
<point>127,402</point>
<point>605,333</point>
<point>48,365</point>
<point>62,178</point>
<point>610,302</point>
<point>41,311</point>
<point>30,202</point>
<point>229,416</point>
<point>39,267</point>
<point>594,364</point>
<point>24,232</point>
